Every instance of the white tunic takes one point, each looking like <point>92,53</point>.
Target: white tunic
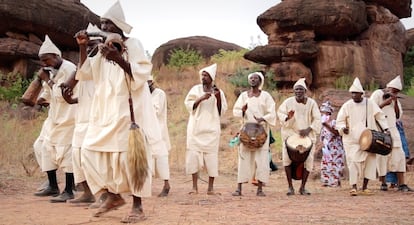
<point>358,117</point>
<point>255,163</point>
<point>203,129</point>
<point>159,101</point>
<point>306,115</point>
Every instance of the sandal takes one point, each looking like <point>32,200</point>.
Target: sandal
<point>133,218</point>
<point>237,193</point>
<point>260,193</point>
<point>353,192</point>
<point>291,191</point>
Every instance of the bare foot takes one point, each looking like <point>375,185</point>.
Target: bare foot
<point>84,198</point>
<point>112,202</point>
<point>193,192</point>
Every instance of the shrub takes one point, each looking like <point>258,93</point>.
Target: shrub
<point>12,87</point>
<point>181,58</point>
<point>240,78</point>
<point>343,82</point>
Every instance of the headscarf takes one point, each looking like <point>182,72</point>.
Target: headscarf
<point>261,78</point>
<point>326,107</point>
<point>116,15</point>
<point>395,83</point>
<point>211,70</point>
<point>300,82</point>
<point>356,86</point>
<point>48,47</point>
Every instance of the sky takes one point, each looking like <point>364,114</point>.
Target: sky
<point>156,22</point>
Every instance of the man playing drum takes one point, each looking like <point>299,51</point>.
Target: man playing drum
<point>299,115</point>
<point>254,106</point>
<point>355,116</point>
<point>387,100</point>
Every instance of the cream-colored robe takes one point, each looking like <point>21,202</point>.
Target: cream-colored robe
<point>354,116</point>
<point>395,161</point>
<point>109,122</point>
<point>60,124</point>
<point>85,94</point>
<point>159,101</point>
<point>255,163</point>
<point>203,131</point>
<point>306,115</point>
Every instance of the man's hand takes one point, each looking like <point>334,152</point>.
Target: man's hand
<point>111,53</point>
<point>305,132</point>
<point>82,37</point>
<point>291,113</point>
<point>67,93</point>
<point>43,75</point>
<point>345,130</point>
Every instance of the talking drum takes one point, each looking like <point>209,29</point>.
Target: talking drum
<point>375,142</point>
<point>253,135</point>
<point>298,149</point>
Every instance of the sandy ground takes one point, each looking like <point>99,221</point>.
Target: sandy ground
<point>326,205</point>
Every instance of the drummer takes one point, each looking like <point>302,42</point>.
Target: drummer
<point>299,114</point>
<point>355,116</point>
<point>257,106</point>
<point>388,101</point>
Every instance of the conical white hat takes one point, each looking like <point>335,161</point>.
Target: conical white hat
<point>300,82</point>
<point>395,83</point>
<point>48,47</point>
<point>261,78</point>
<point>356,86</point>
<point>116,15</point>
<point>93,29</point>
<point>211,70</point>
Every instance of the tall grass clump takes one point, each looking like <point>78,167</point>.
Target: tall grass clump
<point>343,82</point>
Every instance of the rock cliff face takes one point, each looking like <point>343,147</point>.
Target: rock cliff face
<point>324,40</point>
<point>25,23</point>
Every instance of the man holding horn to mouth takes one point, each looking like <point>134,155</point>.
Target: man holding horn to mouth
<point>121,98</point>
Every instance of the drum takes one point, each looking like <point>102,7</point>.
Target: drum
<point>375,142</point>
<point>298,149</point>
<point>32,92</point>
<point>253,135</point>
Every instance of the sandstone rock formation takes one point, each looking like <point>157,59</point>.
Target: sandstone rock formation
<point>324,40</point>
<point>206,46</point>
<point>25,23</point>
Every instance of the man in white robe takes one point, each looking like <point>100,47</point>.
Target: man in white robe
<point>388,101</point>
<point>60,123</point>
<point>254,106</point>
<point>355,116</point>
<point>205,103</point>
<point>300,115</point>
<point>83,101</point>
<point>120,77</point>
<point>160,164</point>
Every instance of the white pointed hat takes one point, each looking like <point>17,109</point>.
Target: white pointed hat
<point>356,86</point>
<point>211,70</point>
<point>116,15</point>
<point>261,78</point>
<point>92,28</point>
<point>300,82</point>
<point>48,47</point>
<point>395,83</point>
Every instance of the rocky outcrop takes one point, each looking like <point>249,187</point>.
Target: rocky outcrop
<point>206,46</point>
<point>25,23</point>
<point>328,39</point>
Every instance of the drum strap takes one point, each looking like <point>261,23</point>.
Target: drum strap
<point>366,118</point>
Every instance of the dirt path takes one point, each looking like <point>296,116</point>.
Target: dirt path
<point>18,205</point>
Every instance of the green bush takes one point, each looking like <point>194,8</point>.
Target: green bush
<point>12,87</point>
<point>181,58</point>
<point>228,56</point>
<point>239,79</point>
